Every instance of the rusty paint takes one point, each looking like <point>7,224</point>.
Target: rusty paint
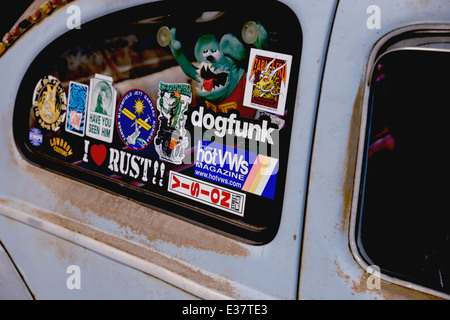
<point>134,249</point>
<point>74,205</point>
<point>13,153</point>
<point>37,11</point>
<point>140,228</point>
<point>387,291</point>
<point>359,286</point>
<point>141,220</point>
<point>153,225</point>
<point>57,247</point>
<point>352,151</point>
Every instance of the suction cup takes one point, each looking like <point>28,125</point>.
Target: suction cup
<point>164,36</point>
<point>250,32</point>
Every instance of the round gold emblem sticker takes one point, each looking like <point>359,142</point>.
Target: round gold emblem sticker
<point>49,103</point>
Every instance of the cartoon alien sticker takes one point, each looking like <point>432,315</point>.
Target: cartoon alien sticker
<point>221,80</point>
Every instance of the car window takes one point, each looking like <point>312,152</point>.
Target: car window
<point>403,224</point>
<point>185,110</point>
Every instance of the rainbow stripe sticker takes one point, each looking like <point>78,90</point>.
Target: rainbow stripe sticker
<point>262,171</point>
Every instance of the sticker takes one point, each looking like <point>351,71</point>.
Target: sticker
<point>49,103</point>
<point>274,119</point>
<point>261,131</point>
<point>207,193</point>
<point>102,109</point>
<point>243,170</point>
<point>219,74</point>
<point>76,112</point>
<point>262,177</point>
<point>61,146</point>
<point>125,164</point>
<point>268,79</point>
<point>136,119</point>
<point>36,137</point>
<point>171,140</point>
<point>98,154</point>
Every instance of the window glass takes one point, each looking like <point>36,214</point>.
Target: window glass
<point>184,109</point>
<point>404,219</point>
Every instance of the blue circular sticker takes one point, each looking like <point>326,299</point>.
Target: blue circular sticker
<point>36,137</point>
<point>136,119</point>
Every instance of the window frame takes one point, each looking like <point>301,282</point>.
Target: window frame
<point>403,38</point>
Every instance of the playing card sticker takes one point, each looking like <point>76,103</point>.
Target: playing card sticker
<point>268,79</point>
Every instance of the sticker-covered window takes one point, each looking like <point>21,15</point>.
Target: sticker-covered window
<point>403,217</point>
<point>188,110</point>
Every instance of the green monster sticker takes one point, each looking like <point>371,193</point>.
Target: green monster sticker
<point>221,81</point>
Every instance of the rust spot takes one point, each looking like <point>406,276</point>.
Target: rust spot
<point>140,228</point>
<point>387,291</point>
<point>57,247</point>
<point>147,254</point>
<point>12,151</point>
<point>132,218</point>
<point>352,150</point>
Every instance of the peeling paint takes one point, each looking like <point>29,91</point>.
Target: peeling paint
<point>141,220</point>
<point>388,291</point>
<point>128,215</point>
<point>359,286</point>
<point>169,263</point>
<point>352,151</point>
<point>139,228</point>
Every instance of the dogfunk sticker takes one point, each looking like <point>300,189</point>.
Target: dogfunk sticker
<point>49,103</point>
<point>102,109</point>
<point>78,95</point>
<point>136,119</point>
<point>268,74</point>
<point>171,140</point>
<point>209,194</point>
<point>236,168</point>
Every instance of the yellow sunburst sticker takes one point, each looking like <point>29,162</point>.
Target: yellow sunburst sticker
<point>139,106</point>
